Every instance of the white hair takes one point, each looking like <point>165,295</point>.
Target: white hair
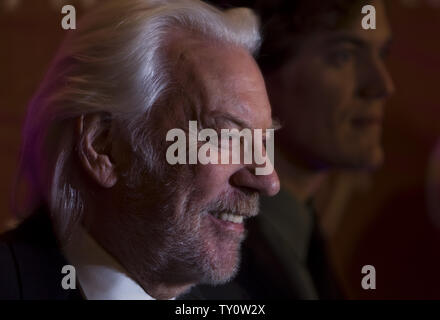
<point>113,64</point>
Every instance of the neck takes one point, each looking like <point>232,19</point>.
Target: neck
<point>151,272</point>
<point>300,180</point>
<point>154,278</point>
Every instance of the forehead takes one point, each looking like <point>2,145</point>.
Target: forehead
<point>372,37</point>
<point>225,80</point>
<point>383,30</point>
<point>350,30</point>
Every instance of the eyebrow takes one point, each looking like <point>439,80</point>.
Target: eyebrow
<point>386,47</point>
<point>275,125</point>
<point>355,41</point>
<point>345,38</point>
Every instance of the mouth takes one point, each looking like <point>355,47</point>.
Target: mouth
<point>368,121</point>
<point>229,217</point>
<point>228,220</point>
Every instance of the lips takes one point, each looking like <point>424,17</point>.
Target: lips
<point>228,220</point>
<point>230,217</point>
<point>365,121</point>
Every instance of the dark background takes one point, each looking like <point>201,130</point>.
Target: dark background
<point>379,219</point>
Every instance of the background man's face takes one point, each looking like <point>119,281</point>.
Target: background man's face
<point>331,95</point>
<point>223,89</point>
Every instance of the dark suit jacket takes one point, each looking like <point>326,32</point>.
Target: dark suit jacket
<point>31,262</point>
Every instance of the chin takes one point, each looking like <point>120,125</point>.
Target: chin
<point>369,160</point>
<point>221,269</point>
<point>375,159</point>
<point>220,252</point>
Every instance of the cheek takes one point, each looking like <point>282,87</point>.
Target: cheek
<point>205,175</point>
<point>316,103</point>
<point>327,97</point>
<point>319,109</point>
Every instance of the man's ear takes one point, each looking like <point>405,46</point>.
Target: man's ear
<point>94,149</point>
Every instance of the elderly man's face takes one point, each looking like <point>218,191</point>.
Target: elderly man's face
<point>331,95</point>
<point>222,89</point>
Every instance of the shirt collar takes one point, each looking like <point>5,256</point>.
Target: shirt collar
<point>100,276</point>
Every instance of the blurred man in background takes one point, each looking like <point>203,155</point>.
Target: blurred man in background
<point>327,83</point>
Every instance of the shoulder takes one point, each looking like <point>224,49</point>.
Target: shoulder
<point>31,261</point>
<point>9,284</point>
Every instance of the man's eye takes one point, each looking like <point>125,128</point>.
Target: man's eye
<point>384,53</point>
<point>341,57</point>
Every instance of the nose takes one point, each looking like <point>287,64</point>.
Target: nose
<point>377,82</point>
<point>266,185</point>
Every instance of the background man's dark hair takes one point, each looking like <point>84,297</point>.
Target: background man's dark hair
<point>286,22</point>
